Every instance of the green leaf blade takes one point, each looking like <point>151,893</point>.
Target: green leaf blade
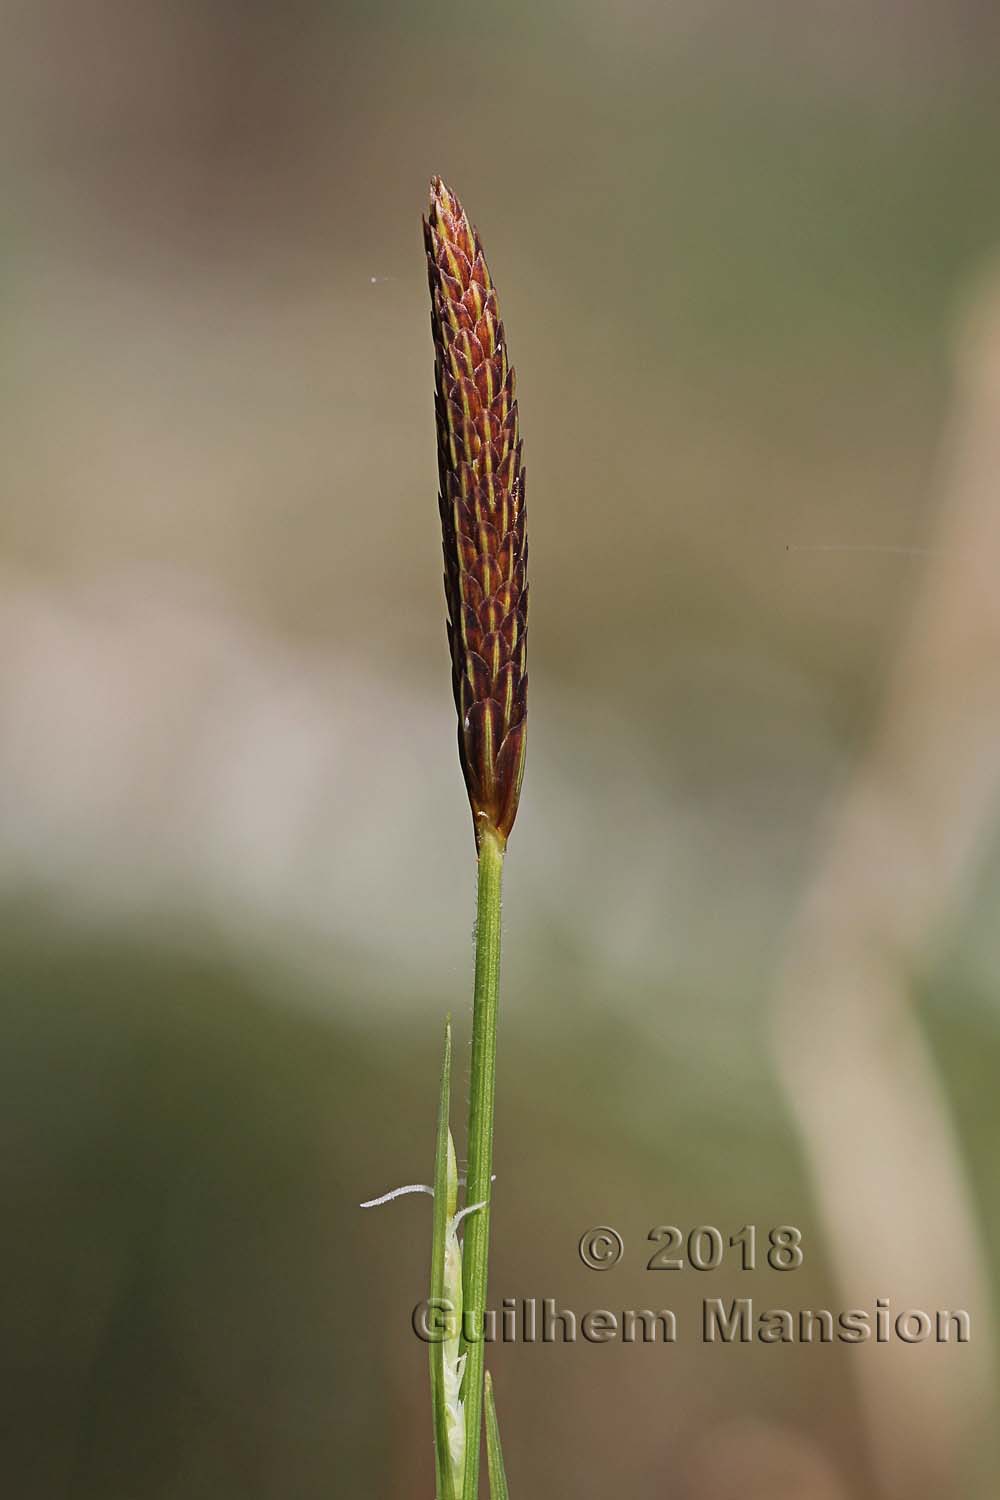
<point>442,1454</point>
<point>494,1455</point>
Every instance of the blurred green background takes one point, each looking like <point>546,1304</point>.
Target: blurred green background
<point>745,256</point>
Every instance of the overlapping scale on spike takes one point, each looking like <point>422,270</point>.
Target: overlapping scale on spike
<point>481,499</point>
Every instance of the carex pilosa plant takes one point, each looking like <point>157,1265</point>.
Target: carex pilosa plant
<point>481,503</point>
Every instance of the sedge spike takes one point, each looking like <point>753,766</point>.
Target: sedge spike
<point>481,500</point>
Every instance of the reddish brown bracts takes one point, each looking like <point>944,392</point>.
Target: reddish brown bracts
<point>482,514</point>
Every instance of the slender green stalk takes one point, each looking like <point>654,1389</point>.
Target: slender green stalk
<point>480,1142</point>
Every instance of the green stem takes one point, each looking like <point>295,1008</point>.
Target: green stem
<point>476,1249</point>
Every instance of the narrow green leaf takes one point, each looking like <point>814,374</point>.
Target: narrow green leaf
<point>442,1456</point>
<point>494,1457</point>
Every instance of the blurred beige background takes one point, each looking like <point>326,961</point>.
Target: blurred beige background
<point>747,262</point>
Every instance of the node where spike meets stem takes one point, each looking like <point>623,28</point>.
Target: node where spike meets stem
<point>480,1142</point>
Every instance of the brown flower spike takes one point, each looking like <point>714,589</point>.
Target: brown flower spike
<point>482,514</point>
